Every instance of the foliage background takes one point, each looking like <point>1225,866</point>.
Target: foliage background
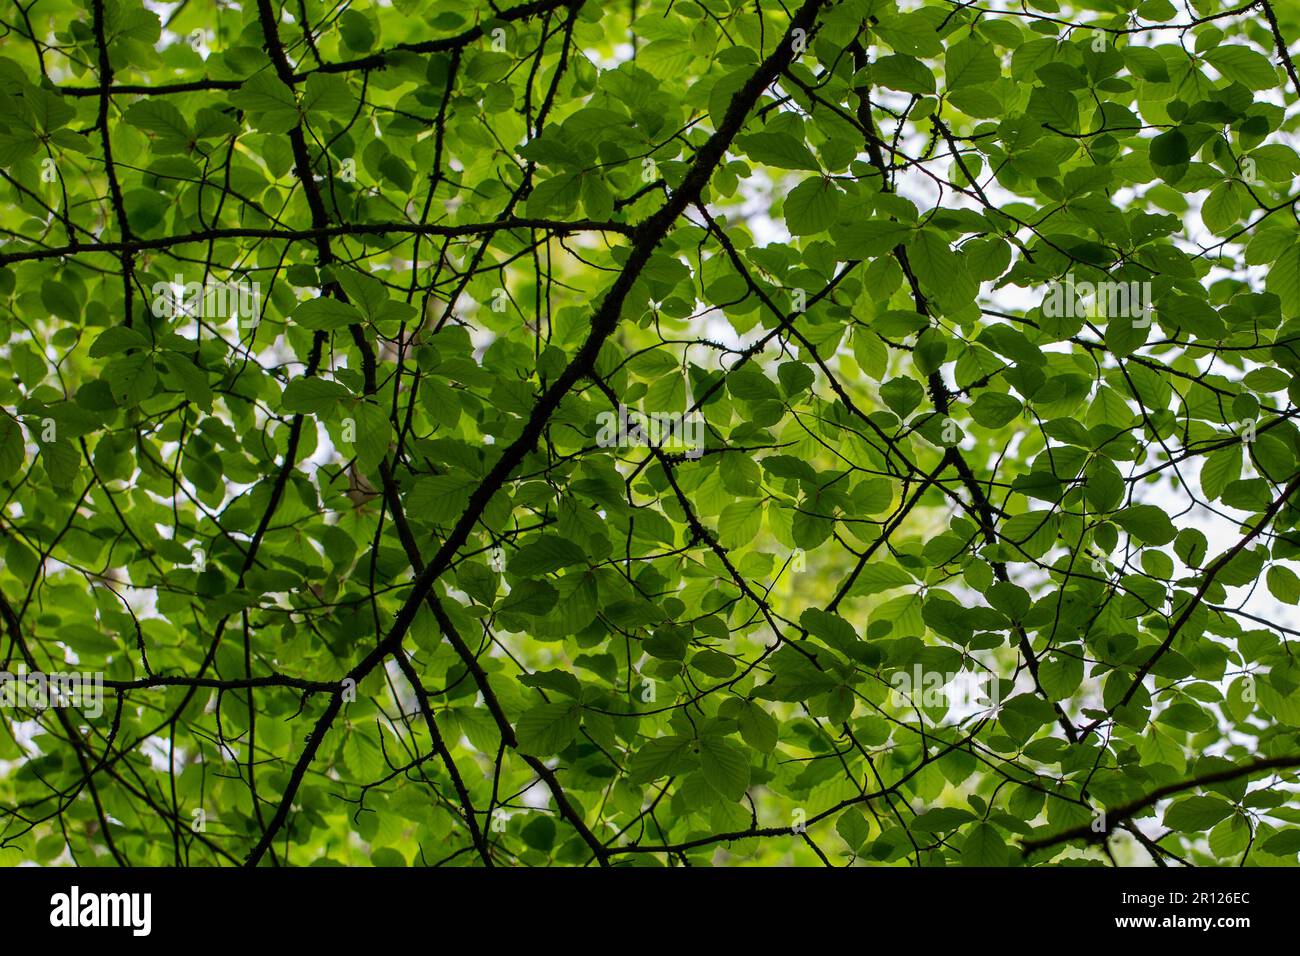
<point>365,588</point>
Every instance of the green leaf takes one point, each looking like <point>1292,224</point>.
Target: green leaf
<point>1230,837</point>
<point>115,340</point>
<point>778,149</point>
<point>1284,584</point>
<point>758,728</point>
<point>1221,467</point>
<point>831,629</point>
<point>1222,207</point>
<point>547,554</point>
<point>739,523</point>
<point>993,409</point>
<point>940,820</point>
<point>269,102</point>
<point>1243,65</point>
<point>1285,843</point>
<point>1283,279</point>
<point>903,395</point>
<point>870,238</point>
<point>62,462</point>
<point>12,451</point>
<point>193,380</point>
<point>325,314</point>
<point>440,499</point>
<point>852,826</point>
<point>904,73</point>
<point>597,199</point>
<point>374,433</point>
<point>970,62</point>
<point>1060,675</point>
<point>984,846</point>
<point>811,206</point>
<point>1170,148</point>
<point>940,271</point>
<point>725,766</point>
<point>328,93</point>
<point>660,757</point>
<point>171,132</point>
<point>1148,523</point>
<point>312,395</point>
<point>548,728</point>
<point>1196,813</point>
<point>539,833</point>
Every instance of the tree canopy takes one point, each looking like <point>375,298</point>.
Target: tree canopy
<point>649,433</point>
